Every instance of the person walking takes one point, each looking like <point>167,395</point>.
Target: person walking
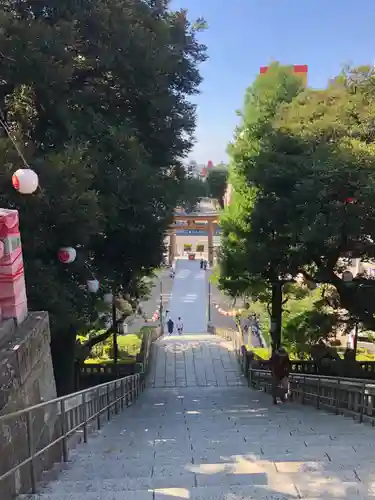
<point>202,263</point>
<point>180,326</point>
<point>170,326</point>
<point>280,368</point>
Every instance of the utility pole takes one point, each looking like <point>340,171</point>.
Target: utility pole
<point>209,301</point>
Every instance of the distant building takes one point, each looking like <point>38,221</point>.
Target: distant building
<point>299,69</point>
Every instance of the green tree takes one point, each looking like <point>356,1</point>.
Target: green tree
<point>217,183</point>
<point>104,119</point>
<point>313,184</point>
<point>262,101</point>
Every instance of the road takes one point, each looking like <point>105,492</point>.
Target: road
<point>189,297</point>
<point>226,322</point>
<point>153,303</point>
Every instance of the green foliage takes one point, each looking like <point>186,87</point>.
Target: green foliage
<point>262,100</point>
<point>305,321</point>
<point>104,119</point>
<point>217,182</point>
<point>303,169</point>
<point>128,347</point>
<point>193,190</point>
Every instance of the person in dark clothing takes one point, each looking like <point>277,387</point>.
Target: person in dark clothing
<point>280,368</point>
<point>202,263</point>
<point>170,326</point>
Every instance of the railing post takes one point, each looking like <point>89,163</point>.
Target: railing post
<point>132,389</point>
<point>303,390</point>
<point>362,402</point>
<point>337,402</point>
<point>108,405</point>
<point>99,409</point>
<point>318,395</point>
<point>122,393</point>
<point>126,392</point>
<point>30,445</point>
<point>84,415</point>
<point>116,402</point>
<point>63,431</point>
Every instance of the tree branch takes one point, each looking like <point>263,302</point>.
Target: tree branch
<point>85,349</point>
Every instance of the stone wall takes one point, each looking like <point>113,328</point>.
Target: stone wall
<point>26,379</point>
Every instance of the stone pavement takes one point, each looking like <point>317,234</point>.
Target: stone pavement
<point>213,439</point>
<point>193,361</point>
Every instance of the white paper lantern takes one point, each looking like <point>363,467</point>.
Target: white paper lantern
<point>108,298</point>
<point>67,255</point>
<point>93,286</point>
<point>25,181</point>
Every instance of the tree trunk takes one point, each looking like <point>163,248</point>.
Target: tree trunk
<point>63,358</point>
<point>276,313</point>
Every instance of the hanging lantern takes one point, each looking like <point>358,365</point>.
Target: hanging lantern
<point>93,286</point>
<point>108,298</point>
<point>67,255</point>
<point>25,181</point>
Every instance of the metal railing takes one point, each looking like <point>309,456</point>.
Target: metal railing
<point>232,336</point>
<point>342,395</point>
<point>64,417</point>
<point>345,396</point>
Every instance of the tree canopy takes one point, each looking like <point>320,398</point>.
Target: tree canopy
<point>303,169</point>
<point>97,97</point>
<point>217,178</point>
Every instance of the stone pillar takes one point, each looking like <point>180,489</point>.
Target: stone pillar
<point>211,229</point>
<point>13,301</point>
<point>172,247</point>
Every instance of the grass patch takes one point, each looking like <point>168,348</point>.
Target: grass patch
<point>107,361</point>
<point>129,346</point>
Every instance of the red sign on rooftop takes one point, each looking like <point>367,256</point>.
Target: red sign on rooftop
<point>297,68</point>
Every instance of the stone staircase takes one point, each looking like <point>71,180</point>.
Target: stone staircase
<point>222,443</point>
<point>198,433</point>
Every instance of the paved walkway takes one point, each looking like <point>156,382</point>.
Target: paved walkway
<point>193,361</point>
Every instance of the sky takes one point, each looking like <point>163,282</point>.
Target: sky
<point>243,35</point>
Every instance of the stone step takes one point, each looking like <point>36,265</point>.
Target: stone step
<point>280,491</point>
